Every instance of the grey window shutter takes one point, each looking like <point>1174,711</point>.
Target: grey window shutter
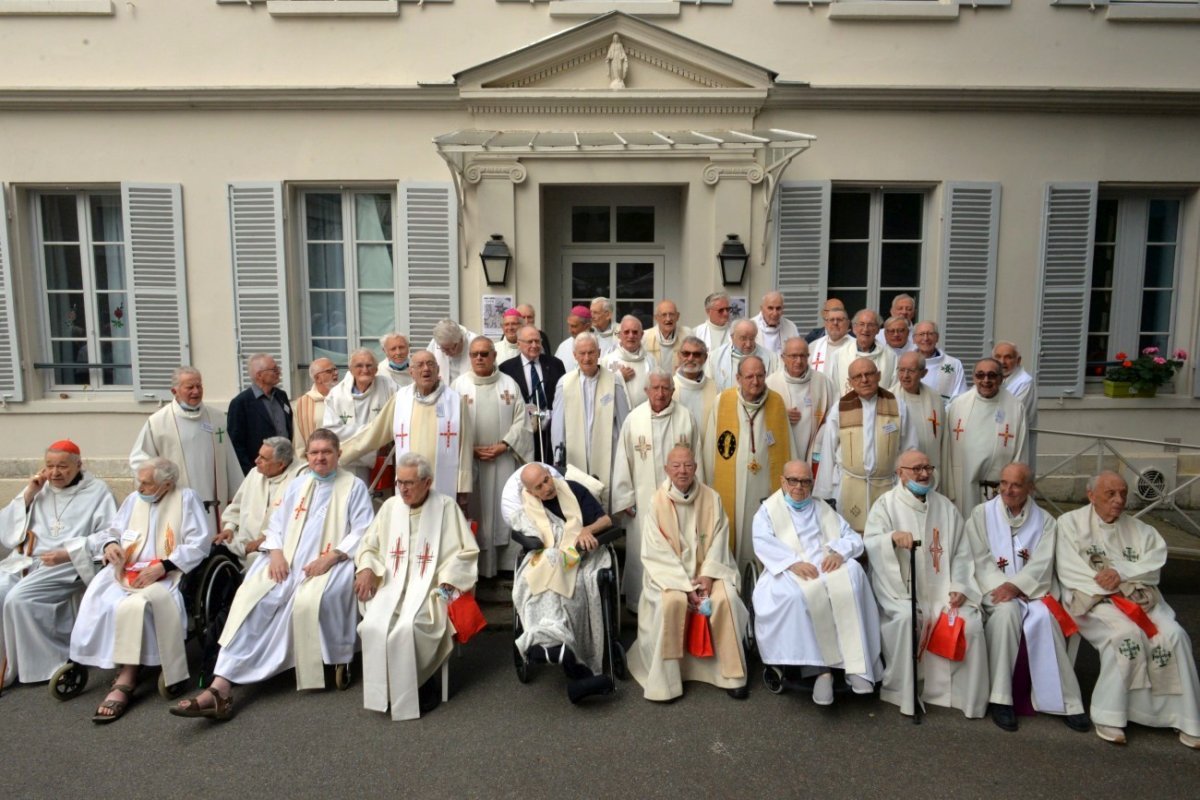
<point>428,251</point>
<point>12,387</point>
<point>1068,237</point>
<point>972,222</point>
<point>259,276</point>
<point>802,250</point>
<point>154,232</point>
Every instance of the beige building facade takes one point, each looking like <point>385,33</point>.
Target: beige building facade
<point>193,182</point>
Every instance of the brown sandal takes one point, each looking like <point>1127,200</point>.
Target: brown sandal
<point>221,709</point>
<point>116,706</point>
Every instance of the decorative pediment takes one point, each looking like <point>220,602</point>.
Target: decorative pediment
<point>616,59</point>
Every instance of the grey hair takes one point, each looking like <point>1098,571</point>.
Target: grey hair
<point>315,366</point>
<point>383,340</point>
<point>481,338</point>
<point>446,332</point>
<point>1094,481</point>
<point>179,373</point>
<point>635,319</point>
<point>363,351</point>
<point>254,362</point>
<point>712,299</point>
<point>890,320</point>
<point>917,354</point>
<point>417,461</point>
<point>585,336</point>
<point>659,372</point>
<point>75,458</point>
<point>163,469</point>
<point>874,314</point>
<point>603,302</point>
<point>904,296</point>
<point>282,448</point>
<point>695,341</point>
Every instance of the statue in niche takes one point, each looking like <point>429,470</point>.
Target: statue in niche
<point>618,64</point>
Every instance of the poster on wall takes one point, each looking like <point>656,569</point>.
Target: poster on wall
<point>737,307</point>
<point>493,308</point>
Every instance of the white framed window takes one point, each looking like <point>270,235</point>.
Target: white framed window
<point>876,245</point>
<point>83,275</point>
<point>348,259</point>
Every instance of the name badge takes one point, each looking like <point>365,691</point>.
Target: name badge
<point>890,428</point>
<point>605,399</point>
<point>770,439</point>
<point>129,537</point>
<point>207,427</point>
<point>1000,415</point>
<point>807,402</point>
<point>441,412</point>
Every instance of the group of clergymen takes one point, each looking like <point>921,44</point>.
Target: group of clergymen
<point>715,448</point>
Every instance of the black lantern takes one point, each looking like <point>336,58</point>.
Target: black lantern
<point>496,258</point>
<point>733,258</point>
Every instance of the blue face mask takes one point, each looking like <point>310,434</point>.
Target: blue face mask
<point>799,505</point>
<point>148,498</point>
<point>186,407</point>
<point>325,478</point>
<point>919,489</point>
<point>403,365</point>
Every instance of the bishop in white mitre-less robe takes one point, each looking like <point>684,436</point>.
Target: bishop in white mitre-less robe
<point>985,435</point>
<point>809,398</point>
<point>301,622</point>
<point>120,625</point>
<point>39,601</point>
<point>406,629</point>
<point>829,621</point>
<point>944,564</point>
<point>646,439</point>
<point>250,511</point>
<point>348,411</point>
<point>497,415</point>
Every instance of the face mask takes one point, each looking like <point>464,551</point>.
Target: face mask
<point>325,478</point>
<point>799,505</point>
<point>403,365</point>
<point>919,489</point>
<point>148,498</point>
<point>186,407</point>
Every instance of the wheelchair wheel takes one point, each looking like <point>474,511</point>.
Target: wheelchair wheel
<point>749,579</point>
<point>342,677</point>
<point>221,581</point>
<point>521,664</point>
<point>68,681</point>
<point>170,692</point>
<point>773,679</point>
<point>620,665</point>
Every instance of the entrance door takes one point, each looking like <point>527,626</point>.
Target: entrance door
<point>631,281</point>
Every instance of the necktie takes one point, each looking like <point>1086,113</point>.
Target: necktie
<point>536,392</point>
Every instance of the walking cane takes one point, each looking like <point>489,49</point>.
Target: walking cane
<point>916,628</point>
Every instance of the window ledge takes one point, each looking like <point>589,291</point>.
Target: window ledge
<point>590,8</point>
<point>1153,12</point>
<point>924,10</point>
<point>57,7</point>
<point>333,8</point>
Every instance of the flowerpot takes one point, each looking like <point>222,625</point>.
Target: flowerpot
<point>1125,389</point>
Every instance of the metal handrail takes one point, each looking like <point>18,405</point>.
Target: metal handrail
<point>1130,439</point>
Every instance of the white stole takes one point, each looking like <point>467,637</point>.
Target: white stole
<point>445,460</point>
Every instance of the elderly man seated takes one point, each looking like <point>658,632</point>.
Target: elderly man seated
<point>244,521</point>
<point>555,591</point>
<point>417,554</point>
<point>46,528</point>
<point>689,573</point>
<point>133,613</point>
<point>813,605</point>
<point>1109,565</point>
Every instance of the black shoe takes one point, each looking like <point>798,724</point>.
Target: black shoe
<point>429,696</point>
<point>740,693</point>
<point>574,670</point>
<point>1080,723</point>
<point>597,684</point>
<point>1004,717</point>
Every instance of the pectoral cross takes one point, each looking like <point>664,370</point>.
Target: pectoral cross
<point>220,432</point>
<point>448,434</point>
<point>402,436</point>
<point>933,420</point>
<point>57,526</point>
<point>959,430</point>
<point>754,467</point>
<point>1130,649</point>
<point>424,559</point>
<point>1005,435</point>
<point>300,509</point>
<point>936,551</point>
<point>397,555</point>
<point>643,447</point>
<point>507,397</point>
<point>1160,655</point>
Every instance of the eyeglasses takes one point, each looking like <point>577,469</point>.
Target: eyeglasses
<point>864,376</point>
<point>409,484</point>
<point>906,371</point>
<point>529,341</point>
<point>795,355</point>
<point>330,371</point>
<point>681,465</point>
<point>724,310</point>
<point>925,469</point>
<point>987,376</point>
<point>805,482</point>
<point>362,366</point>
<point>691,354</point>
<point>484,354</point>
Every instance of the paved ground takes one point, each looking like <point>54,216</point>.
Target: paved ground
<point>498,738</point>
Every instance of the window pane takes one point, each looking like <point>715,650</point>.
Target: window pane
<point>1163,222</point>
<point>59,220</point>
<point>328,310</point>
<point>68,316</point>
<point>590,279</point>
<point>106,218</point>
<point>848,264</point>
<point>375,266</point>
<point>117,352</point>
<point>373,214</point>
<point>323,214</point>
<point>1103,266</point>
<point>856,300</point>
<point>72,351</point>
<point>1160,266</point>
<point>1100,311</point>
<point>635,223</point>
<point>325,267</point>
<point>635,280</point>
<point>109,266</point>
<point>1159,340</point>
<point>902,215</point>
<point>1156,311</point>
<point>900,265</point>
<point>376,314</point>
<point>63,270</point>
<point>1097,354</point>
<point>642,309</point>
<point>850,215</point>
<point>110,310</point>
<point>590,224</point>
<point>1106,221</point>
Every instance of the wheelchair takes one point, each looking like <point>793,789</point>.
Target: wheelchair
<point>207,594</point>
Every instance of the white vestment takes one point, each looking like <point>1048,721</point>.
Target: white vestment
<point>399,377</point>
<point>1020,550</point>
<point>827,621</point>
<point>813,395</point>
<point>773,338</point>
<point>299,622</point>
<point>406,630</point>
<point>713,336</point>
<point>607,340</point>
<point>821,353</point>
<point>251,508</point>
<point>348,411</point>
<point>197,443</point>
<point>450,368</point>
<point>586,420</point>
<point>926,416</point>
<point>646,439</point>
<point>663,350</point>
<point>506,350</point>
<point>38,602</point>
<point>1143,679</point>
<point>697,396</point>
<point>497,415</point>
<point>944,375</point>
<point>883,356</point>
<point>96,639</point>
<point>722,365</point>
<point>1020,384</point>
<point>983,436</point>
<point>640,362</point>
<point>944,565</point>
<point>565,352</point>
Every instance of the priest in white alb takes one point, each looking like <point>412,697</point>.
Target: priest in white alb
<point>694,390</point>
<point>714,331</point>
<point>774,329</point>
<point>807,394</point>
<point>353,405</point>
<point>986,431</point>
<point>923,406</point>
<point>866,325</point>
<point>813,605</point>
<point>132,613</point>
<point>689,579</point>
<point>1109,565</point>
<point>192,436</point>
<point>394,365</point>
<point>1013,541</point>
<point>945,585</point>
<point>295,607</point>
<point>428,418</point>
<point>1020,384</point>
<point>662,341</point>
<point>244,523</point>
<point>722,365</point>
<point>502,443</point>
<point>308,410</point>
<point>824,349</point>
<point>649,433</point>
<point>944,373</point>
<point>449,348</point>
<point>630,360</point>
<point>507,346</point>
<point>45,530</point>
<point>417,556</point>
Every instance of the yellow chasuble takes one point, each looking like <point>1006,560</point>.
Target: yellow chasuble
<point>729,432</point>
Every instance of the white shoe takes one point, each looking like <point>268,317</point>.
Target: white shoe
<point>1110,734</point>
<point>1189,741</point>
<point>823,690</point>
<point>860,684</point>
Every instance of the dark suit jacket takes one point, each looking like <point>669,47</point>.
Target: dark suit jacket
<point>552,370</point>
<point>249,423</point>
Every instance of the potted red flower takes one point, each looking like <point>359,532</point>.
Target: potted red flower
<point>1142,375</point>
